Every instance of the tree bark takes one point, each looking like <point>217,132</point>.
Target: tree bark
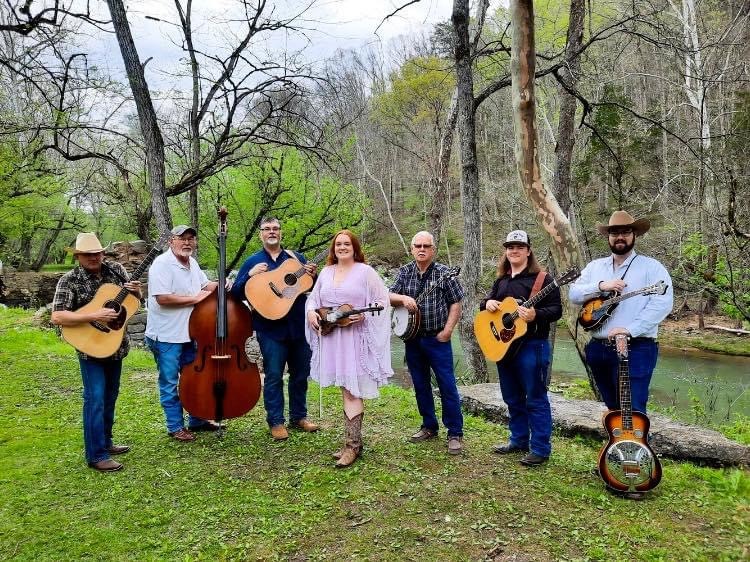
<point>146,115</point>
<point>564,245</point>
<point>566,125</point>
<point>469,190</point>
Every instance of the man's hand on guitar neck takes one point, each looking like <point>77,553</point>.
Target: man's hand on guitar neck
<point>528,315</point>
<point>614,332</point>
<point>311,269</point>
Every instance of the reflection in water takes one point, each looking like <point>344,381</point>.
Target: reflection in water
<point>719,384</point>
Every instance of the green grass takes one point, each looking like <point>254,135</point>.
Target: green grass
<point>708,341</point>
<point>244,497</point>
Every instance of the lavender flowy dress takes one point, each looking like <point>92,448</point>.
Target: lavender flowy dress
<point>356,357</point>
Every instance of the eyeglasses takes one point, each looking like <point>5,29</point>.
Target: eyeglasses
<point>185,238</point>
<point>420,246</point>
<point>623,232</point>
<point>270,229</point>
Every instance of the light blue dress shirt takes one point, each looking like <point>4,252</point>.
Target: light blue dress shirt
<point>639,315</point>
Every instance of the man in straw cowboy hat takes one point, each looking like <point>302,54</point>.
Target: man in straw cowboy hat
<point>101,377</point>
<point>624,271</point>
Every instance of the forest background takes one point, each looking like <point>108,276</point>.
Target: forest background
<point>638,105</point>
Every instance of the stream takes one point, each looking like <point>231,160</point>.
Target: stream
<point>717,385</point>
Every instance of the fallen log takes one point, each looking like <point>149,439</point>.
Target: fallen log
<point>737,331</point>
<point>583,417</point>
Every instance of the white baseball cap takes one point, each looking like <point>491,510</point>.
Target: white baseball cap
<point>517,237</point>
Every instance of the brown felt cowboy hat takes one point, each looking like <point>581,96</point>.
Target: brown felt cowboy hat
<point>622,219</point>
<point>86,243</point>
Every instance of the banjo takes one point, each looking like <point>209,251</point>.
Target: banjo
<point>404,323</point>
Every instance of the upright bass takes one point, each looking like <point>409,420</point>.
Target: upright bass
<point>221,383</point>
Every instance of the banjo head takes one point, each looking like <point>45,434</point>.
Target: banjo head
<point>404,323</point>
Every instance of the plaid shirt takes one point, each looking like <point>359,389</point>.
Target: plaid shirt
<point>434,307</point>
<point>78,287</point>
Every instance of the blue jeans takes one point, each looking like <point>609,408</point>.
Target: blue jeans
<point>423,353</point>
<point>101,385</point>
<point>642,356</point>
<point>170,357</point>
<point>276,354</point>
<point>523,382</point>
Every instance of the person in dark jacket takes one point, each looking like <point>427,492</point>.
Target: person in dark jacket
<point>523,370</point>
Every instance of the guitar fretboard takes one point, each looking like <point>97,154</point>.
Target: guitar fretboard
<point>620,298</point>
<point>301,271</point>
<point>626,406</point>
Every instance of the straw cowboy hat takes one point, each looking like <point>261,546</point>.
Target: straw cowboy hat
<point>622,219</point>
<point>86,243</point>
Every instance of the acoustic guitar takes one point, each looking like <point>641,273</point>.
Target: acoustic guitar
<point>498,331</point>
<point>596,311</point>
<point>272,293</point>
<point>626,462</point>
<point>103,339</point>
<point>331,317</point>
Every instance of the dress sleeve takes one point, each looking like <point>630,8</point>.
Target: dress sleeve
<point>313,302</point>
<point>376,332</point>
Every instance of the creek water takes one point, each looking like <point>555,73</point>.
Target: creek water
<point>717,385</point>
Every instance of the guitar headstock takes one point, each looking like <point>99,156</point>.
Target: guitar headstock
<point>569,276</point>
<point>163,240</point>
<point>621,344</point>
<point>656,289</point>
<point>453,272</point>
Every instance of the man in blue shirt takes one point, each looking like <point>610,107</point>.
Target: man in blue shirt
<point>282,342</point>
<point>638,317</point>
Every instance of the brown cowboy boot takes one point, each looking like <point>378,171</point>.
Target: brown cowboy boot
<point>353,441</point>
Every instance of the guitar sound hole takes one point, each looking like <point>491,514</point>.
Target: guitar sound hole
<point>290,279</point>
<point>508,321</point>
<point>118,322</point>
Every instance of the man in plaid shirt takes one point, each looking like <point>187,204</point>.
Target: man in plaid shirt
<point>440,310</point>
<point>101,377</point>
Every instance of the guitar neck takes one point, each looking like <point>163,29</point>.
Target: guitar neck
<point>626,406</point>
<point>620,298</point>
<point>541,294</point>
<point>138,272</point>
<point>317,259</point>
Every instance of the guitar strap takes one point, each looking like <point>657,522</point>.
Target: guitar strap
<point>627,268</point>
<point>540,277</point>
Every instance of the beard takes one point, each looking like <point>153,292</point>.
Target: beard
<point>621,250</point>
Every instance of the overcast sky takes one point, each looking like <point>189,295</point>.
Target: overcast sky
<point>329,25</point>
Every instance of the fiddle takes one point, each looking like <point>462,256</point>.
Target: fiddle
<point>331,317</point>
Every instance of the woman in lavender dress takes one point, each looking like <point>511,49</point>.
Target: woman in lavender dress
<point>357,357</point>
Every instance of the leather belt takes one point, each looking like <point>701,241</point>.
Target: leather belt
<point>639,339</point>
<point>429,333</point>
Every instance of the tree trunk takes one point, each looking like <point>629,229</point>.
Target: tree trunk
<point>469,190</point>
<point>439,204</point>
<point>146,115</point>
<point>564,245</point>
<point>566,126</point>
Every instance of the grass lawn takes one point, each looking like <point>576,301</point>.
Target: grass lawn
<point>244,497</point>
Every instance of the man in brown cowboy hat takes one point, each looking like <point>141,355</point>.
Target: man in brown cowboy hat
<point>625,271</point>
<point>101,377</point>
